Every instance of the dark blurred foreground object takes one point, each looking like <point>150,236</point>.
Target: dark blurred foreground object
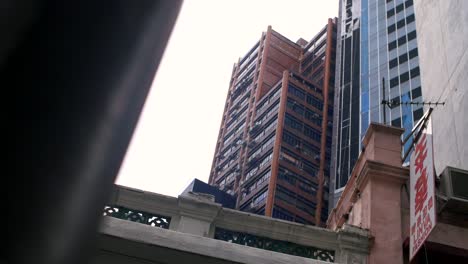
<point>80,72</point>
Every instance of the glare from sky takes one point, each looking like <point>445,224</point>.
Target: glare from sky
<point>176,135</point>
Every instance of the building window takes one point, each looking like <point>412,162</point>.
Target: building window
<point>395,101</point>
<point>413,53</point>
<point>315,102</point>
<point>313,117</point>
<point>415,72</point>
<point>408,3</point>
<point>416,92</point>
<point>312,133</point>
<point>403,58</point>
<point>281,213</point>
<point>404,77</point>
<point>399,8</point>
<point>260,198</point>
<point>390,13</point>
<point>393,63</point>
<point>391,29</point>
<point>394,82</point>
<point>396,122</point>
<point>392,45</point>
<point>292,122</point>
<point>401,24</point>
<point>410,19</point>
<point>418,114</point>
<point>296,91</point>
<point>401,41</point>
<point>412,35</point>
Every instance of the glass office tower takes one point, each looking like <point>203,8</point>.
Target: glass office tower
<point>377,60</point>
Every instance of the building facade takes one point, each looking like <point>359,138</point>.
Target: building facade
<point>443,27</point>
<point>377,199</point>
<point>377,59</point>
<point>274,145</point>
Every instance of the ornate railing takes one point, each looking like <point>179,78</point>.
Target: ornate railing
<point>137,216</point>
<point>274,245</point>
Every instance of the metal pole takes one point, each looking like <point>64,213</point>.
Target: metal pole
<point>383,98</point>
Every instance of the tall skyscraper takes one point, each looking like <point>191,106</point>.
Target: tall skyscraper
<point>377,59</point>
<point>274,145</point>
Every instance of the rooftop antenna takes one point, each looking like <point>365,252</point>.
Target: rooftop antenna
<point>419,126</point>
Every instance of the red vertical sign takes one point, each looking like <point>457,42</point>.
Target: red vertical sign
<point>422,193</point>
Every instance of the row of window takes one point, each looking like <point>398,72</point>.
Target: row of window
<point>304,111</point>
<point>416,93</point>
<point>231,160</point>
<point>297,180</point>
<point>249,65</point>
<point>399,8</point>
<point>404,77</point>
<point>297,161</point>
<point>301,94</point>
<point>241,101</point>
<point>266,145</point>
<point>417,114</point>
<point>256,184</point>
<point>226,179</point>
<point>403,58</point>
<point>269,98</point>
<point>308,131</point>
<point>249,55</point>
<point>236,118</point>
<point>301,145</point>
<point>241,88</point>
<point>259,199</point>
<point>264,118</point>
<point>238,129</point>
<point>400,23</point>
<point>266,160</point>
<point>295,200</point>
<point>267,130</point>
<point>402,40</point>
<point>280,213</point>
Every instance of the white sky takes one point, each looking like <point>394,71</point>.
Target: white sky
<point>176,136</point>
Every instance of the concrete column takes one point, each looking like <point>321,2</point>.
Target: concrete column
<point>354,245</point>
<point>197,213</point>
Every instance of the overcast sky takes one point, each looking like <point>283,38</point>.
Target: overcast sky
<point>175,138</point>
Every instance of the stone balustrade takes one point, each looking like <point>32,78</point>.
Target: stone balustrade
<point>198,215</point>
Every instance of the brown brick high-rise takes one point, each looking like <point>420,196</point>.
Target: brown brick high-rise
<point>274,144</point>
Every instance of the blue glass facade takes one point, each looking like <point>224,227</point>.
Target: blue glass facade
<point>376,38</point>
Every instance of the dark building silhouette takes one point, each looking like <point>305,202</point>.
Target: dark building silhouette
<point>221,197</point>
<point>274,144</point>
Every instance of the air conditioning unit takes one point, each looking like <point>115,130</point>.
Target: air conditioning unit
<point>453,189</point>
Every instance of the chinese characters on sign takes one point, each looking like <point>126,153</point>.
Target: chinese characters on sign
<point>422,195</point>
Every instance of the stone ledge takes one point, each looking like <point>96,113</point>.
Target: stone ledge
<point>195,244</point>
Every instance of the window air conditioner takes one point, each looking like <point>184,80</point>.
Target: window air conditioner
<point>453,189</point>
